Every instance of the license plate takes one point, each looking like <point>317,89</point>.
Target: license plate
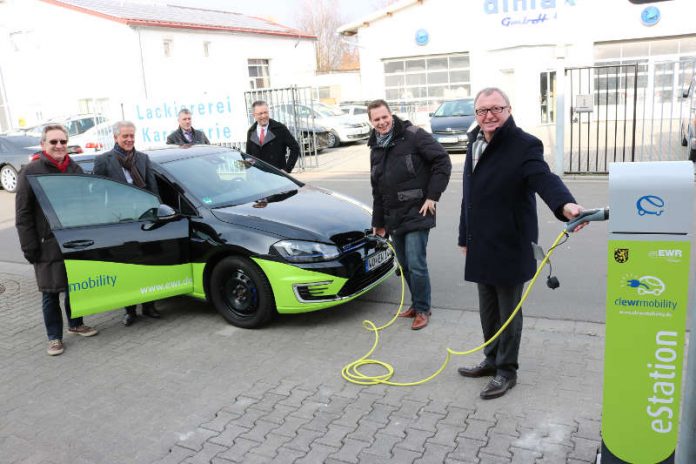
<point>377,260</point>
<point>448,140</point>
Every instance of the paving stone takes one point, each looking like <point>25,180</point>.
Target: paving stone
<point>291,426</point>
<point>456,416</point>
<point>415,439</point>
<point>409,409</point>
<point>279,414</point>
<point>523,456</point>
<point>317,454</point>
<point>259,431</point>
<point>507,425</point>
<point>553,453</point>
<point>445,435</point>
<point>287,456</point>
<point>259,389</point>
<point>434,454</point>
<point>268,401</point>
<point>302,440</point>
<point>209,451</point>
<point>194,440</point>
<point>467,448</point>
<point>175,456</point>
<point>477,429</point>
<point>335,436</point>
<point>222,418</point>
<point>396,426</point>
<point>588,429</point>
<point>492,459</point>
<point>270,446</point>
<point>238,451</point>
<point>382,445</point>
<point>365,431</point>
<point>349,451</point>
<point>584,450</point>
<point>380,413</point>
<point>498,445</point>
<point>228,436</point>
<point>249,418</point>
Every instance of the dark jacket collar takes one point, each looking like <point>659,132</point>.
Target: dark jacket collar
<point>502,132</point>
<point>272,123</point>
<point>399,127</point>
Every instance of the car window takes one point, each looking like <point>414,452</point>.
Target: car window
<point>83,200</point>
<point>455,108</point>
<point>228,178</point>
<point>360,111</point>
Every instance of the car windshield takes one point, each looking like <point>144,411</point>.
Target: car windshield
<point>328,111</point>
<point>455,108</point>
<point>228,178</point>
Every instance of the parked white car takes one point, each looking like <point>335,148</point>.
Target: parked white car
<point>89,132</point>
<point>342,128</point>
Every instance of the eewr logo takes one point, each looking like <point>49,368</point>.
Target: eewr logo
<point>647,285</point>
<point>651,205</point>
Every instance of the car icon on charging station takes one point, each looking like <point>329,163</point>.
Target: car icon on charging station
<point>650,204</point>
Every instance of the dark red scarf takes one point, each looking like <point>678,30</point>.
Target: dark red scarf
<point>62,165</point>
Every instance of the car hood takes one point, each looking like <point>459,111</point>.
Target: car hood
<point>312,214</point>
<point>452,122</point>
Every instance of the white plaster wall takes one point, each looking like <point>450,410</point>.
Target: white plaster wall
<point>346,86</point>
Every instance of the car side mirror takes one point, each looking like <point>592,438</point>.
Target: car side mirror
<point>166,213</point>
<point>430,115</point>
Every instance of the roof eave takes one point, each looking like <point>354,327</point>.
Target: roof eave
<point>352,28</point>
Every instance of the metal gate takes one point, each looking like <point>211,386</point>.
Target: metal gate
<point>293,107</point>
<point>625,113</point>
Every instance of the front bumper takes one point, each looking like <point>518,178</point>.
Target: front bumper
<point>452,142</point>
<point>322,285</point>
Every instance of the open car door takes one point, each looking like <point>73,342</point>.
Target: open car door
<point>120,246</point>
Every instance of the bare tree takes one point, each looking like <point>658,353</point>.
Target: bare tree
<point>322,18</point>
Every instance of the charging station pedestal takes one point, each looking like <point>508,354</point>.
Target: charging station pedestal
<point>648,270</point>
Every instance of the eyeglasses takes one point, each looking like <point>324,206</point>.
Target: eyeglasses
<point>492,109</point>
<point>56,142</point>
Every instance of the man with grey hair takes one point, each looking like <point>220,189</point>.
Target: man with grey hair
<point>503,171</point>
<point>186,134</point>
<point>38,243</point>
<point>127,165</point>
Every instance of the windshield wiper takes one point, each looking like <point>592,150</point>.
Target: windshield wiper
<point>280,196</point>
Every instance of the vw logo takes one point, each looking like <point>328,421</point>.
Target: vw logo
<point>650,204</point>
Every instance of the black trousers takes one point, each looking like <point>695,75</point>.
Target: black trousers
<point>496,303</point>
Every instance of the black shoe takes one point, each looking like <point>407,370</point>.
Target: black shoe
<point>129,318</point>
<point>497,387</point>
<point>150,311</point>
<point>482,370</point>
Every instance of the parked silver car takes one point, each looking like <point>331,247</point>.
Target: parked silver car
<point>342,128</point>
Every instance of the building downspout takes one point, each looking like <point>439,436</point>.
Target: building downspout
<point>142,62</point>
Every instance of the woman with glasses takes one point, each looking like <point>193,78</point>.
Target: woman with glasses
<point>39,245</point>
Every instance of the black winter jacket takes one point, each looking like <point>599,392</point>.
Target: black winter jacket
<point>498,219</point>
<point>413,168</point>
<point>177,138</point>
<point>275,144</point>
<point>38,243</point>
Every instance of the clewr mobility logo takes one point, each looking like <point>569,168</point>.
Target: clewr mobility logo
<point>647,285</point>
<point>93,282</point>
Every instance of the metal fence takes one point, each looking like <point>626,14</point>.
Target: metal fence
<point>637,114</point>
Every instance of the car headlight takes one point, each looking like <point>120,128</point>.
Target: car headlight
<point>298,251</point>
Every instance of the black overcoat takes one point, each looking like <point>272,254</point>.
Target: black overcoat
<point>38,243</point>
<point>178,138</point>
<point>277,141</point>
<point>107,165</point>
<point>498,219</point>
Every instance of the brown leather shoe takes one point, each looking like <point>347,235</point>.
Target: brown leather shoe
<point>421,320</point>
<point>410,313</point>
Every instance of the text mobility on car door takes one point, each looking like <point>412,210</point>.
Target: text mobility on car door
<point>121,247</point>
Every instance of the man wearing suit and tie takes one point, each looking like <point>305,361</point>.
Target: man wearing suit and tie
<point>127,165</point>
<point>269,140</point>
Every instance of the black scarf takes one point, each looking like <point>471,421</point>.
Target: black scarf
<point>127,161</point>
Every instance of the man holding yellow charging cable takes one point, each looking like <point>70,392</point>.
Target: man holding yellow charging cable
<point>503,171</point>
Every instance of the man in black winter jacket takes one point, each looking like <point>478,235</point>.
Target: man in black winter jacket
<point>269,140</point>
<point>185,133</point>
<point>409,172</point>
<point>38,243</point>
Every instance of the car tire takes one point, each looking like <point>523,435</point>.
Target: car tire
<point>333,139</point>
<point>241,293</point>
<point>8,178</point>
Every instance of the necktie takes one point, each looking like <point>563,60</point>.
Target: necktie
<point>263,135</point>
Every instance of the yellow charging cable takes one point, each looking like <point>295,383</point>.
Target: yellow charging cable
<point>351,372</point>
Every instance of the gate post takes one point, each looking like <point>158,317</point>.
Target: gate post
<point>560,113</point>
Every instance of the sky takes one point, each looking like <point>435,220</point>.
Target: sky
<point>284,11</point>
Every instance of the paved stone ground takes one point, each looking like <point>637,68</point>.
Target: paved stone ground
<point>191,389</point>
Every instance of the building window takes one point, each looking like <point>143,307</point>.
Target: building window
<point>427,80</point>
<point>167,47</point>
<point>547,94</point>
<point>259,77</point>
<point>206,49</point>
